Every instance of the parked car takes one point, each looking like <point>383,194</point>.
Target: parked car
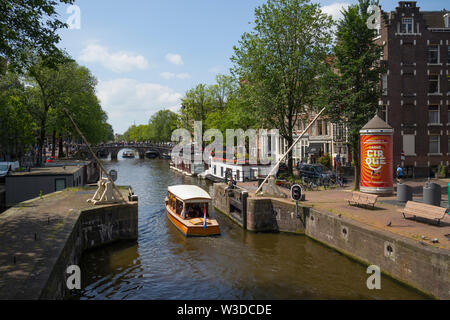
<point>50,159</point>
<point>6,167</point>
<point>314,171</point>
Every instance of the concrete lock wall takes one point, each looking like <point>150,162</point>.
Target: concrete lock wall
<point>422,267</point>
<point>94,228</point>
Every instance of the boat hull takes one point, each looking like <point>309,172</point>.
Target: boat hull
<point>192,231</point>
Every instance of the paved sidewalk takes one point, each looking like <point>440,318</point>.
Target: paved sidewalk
<point>32,236</point>
<point>386,215</point>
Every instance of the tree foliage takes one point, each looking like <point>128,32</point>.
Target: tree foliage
<point>281,60</point>
<point>351,93</point>
<point>29,25</point>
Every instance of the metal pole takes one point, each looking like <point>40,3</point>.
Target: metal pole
<point>287,152</point>
<point>93,154</point>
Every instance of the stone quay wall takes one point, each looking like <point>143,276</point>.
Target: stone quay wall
<point>420,266</point>
<point>94,228</point>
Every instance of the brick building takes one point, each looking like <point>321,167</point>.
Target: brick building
<point>416,89</point>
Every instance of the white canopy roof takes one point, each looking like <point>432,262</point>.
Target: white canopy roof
<point>188,192</point>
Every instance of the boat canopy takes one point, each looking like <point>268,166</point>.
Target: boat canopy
<point>189,192</point>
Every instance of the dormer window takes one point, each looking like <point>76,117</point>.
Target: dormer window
<point>447,20</point>
<point>407,25</point>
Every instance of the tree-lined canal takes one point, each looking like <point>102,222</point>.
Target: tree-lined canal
<point>163,264</point>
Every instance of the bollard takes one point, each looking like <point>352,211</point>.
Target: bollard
<point>432,194</point>
<point>404,193</point>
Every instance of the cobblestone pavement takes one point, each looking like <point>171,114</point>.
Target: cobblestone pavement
<point>386,215</point>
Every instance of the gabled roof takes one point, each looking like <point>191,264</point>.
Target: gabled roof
<point>189,192</point>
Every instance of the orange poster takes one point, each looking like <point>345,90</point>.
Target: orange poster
<point>377,168</point>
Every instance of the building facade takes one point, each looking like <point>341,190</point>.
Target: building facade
<point>416,88</point>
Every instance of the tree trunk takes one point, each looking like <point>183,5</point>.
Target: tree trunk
<point>41,144</point>
<point>60,147</point>
<point>54,143</point>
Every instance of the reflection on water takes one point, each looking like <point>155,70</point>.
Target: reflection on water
<point>163,264</point>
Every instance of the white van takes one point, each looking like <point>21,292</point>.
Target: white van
<point>5,167</point>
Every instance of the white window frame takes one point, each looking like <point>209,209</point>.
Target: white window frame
<point>384,83</point>
<point>438,145</point>
<point>438,112</point>
<point>438,54</point>
<point>438,84</point>
<point>407,24</point>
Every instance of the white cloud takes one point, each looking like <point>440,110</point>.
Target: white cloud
<point>174,58</point>
<point>119,62</point>
<point>127,101</point>
<point>335,9</point>
<point>170,75</point>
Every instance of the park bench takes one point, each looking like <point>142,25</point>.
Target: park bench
<point>422,210</point>
<point>359,198</point>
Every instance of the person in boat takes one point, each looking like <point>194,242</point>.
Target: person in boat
<point>190,213</point>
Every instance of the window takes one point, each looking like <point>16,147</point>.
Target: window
<point>299,125</point>
<point>326,128</point>
<point>433,114</point>
<point>448,56</point>
<point>433,54</point>
<point>383,114</point>
<point>447,20</point>
<point>448,114</point>
<point>215,170</point>
<point>319,127</point>
<point>409,144</point>
<point>448,83</point>
<point>60,184</point>
<point>384,84</point>
<point>407,25</point>
<point>433,83</point>
<point>221,171</point>
<point>434,144</point>
<point>448,147</point>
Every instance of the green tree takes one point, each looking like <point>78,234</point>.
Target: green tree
<point>29,25</point>
<point>352,92</point>
<point>196,104</point>
<point>66,86</point>
<point>161,125</point>
<point>281,61</point>
<point>17,127</point>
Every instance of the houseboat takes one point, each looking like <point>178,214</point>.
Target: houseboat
<point>189,208</point>
<point>128,154</point>
<point>221,169</point>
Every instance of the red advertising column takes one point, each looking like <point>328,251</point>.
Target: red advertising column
<point>377,166</point>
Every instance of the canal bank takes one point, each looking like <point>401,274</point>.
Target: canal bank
<point>410,261</point>
<point>42,237</point>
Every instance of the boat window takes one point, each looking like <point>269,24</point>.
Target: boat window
<point>196,210</point>
<point>179,207</point>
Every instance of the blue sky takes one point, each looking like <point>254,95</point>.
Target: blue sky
<point>146,54</point>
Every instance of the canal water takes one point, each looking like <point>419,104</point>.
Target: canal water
<point>163,264</point>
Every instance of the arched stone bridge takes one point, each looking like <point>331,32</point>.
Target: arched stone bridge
<point>113,149</point>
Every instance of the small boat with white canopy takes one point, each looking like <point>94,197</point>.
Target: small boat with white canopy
<point>189,208</point>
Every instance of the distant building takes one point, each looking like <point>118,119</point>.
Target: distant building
<point>416,88</point>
